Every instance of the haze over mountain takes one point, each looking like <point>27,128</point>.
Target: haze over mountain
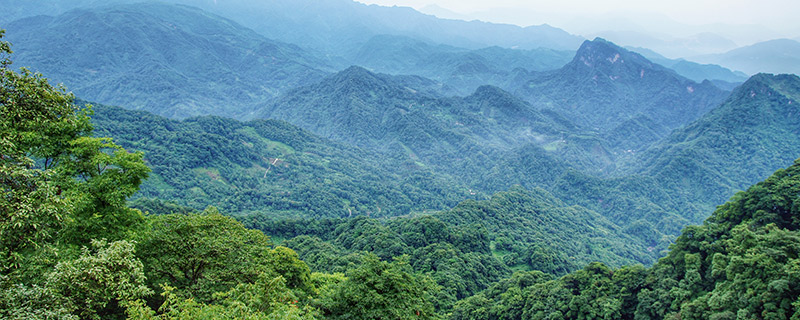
<point>694,71</point>
<point>460,69</point>
<point>337,26</point>
<point>774,56</point>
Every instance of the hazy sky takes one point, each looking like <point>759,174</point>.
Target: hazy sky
<point>779,18</point>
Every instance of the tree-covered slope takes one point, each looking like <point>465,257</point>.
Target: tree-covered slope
<point>750,135</point>
<point>386,113</point>
<point>742,263</point>
<point>171,60</point>
<point>467,248</point>
<point>272,168</point>
<point>605,86</point>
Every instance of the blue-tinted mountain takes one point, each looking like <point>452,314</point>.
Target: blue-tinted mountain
<point>695,71</point>
<point>338,26</point>
<point>172,60</point>
<point>462,69</point>
<point>605,87</point>
<point>773,56</point>
<point>382,112</point>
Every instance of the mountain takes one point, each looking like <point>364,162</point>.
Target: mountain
<point>172,60</point>
<point>462,69</point>
<point>336,26</point>
<point>755,126</point>
<point>773,56</point>
<point>271,168</point>
<point>605,86</point>
<point>458,135</point>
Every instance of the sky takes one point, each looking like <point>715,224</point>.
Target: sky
<point>742,21</point>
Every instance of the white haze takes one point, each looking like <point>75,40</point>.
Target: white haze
<point>673,28</point>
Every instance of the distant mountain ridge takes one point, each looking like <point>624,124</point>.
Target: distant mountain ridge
<point>692,70</point>
<point>173,60</point>
<point>773,56</point>
<point>461,69</point>
<point>334,26</point>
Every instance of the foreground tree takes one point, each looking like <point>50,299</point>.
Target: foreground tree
<point>60,189</point>
<point>381,290</point>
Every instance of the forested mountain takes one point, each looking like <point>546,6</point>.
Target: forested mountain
<point>459,170</point>
<point>621,94</point>
<point>741,263</point>
<point>171,60</point>
<point>271,167</point>
<point>757,125</point>
<point>466,136</point>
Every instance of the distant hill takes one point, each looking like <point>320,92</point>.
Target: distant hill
<point>616,91</point>
<point>773,56</point>
<point>172,60</point>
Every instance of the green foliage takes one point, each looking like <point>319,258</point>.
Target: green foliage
<point>202,253</point>
<point>270,167</point>
<point>742,263</point>
<point>22,302</point>
<point>101,281</point>
<point>380,290</point>
<point>266,299</point>
<point>60,186</point>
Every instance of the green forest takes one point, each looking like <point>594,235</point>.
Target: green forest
<point>398,201</point>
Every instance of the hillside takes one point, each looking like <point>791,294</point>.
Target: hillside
<point>171,60</point>
<point>740,263</point>
<point>462,136</point>
<point>756,126</point>
<point>272,168</point>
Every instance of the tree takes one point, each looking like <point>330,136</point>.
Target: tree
<point>60,185</point>
<point>381,290</point>
<point>102,281</point>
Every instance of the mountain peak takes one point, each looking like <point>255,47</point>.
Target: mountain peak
<point>601,52</point>
<point>766,84</point>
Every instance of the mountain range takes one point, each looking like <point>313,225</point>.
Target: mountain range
<point>171,60</point>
